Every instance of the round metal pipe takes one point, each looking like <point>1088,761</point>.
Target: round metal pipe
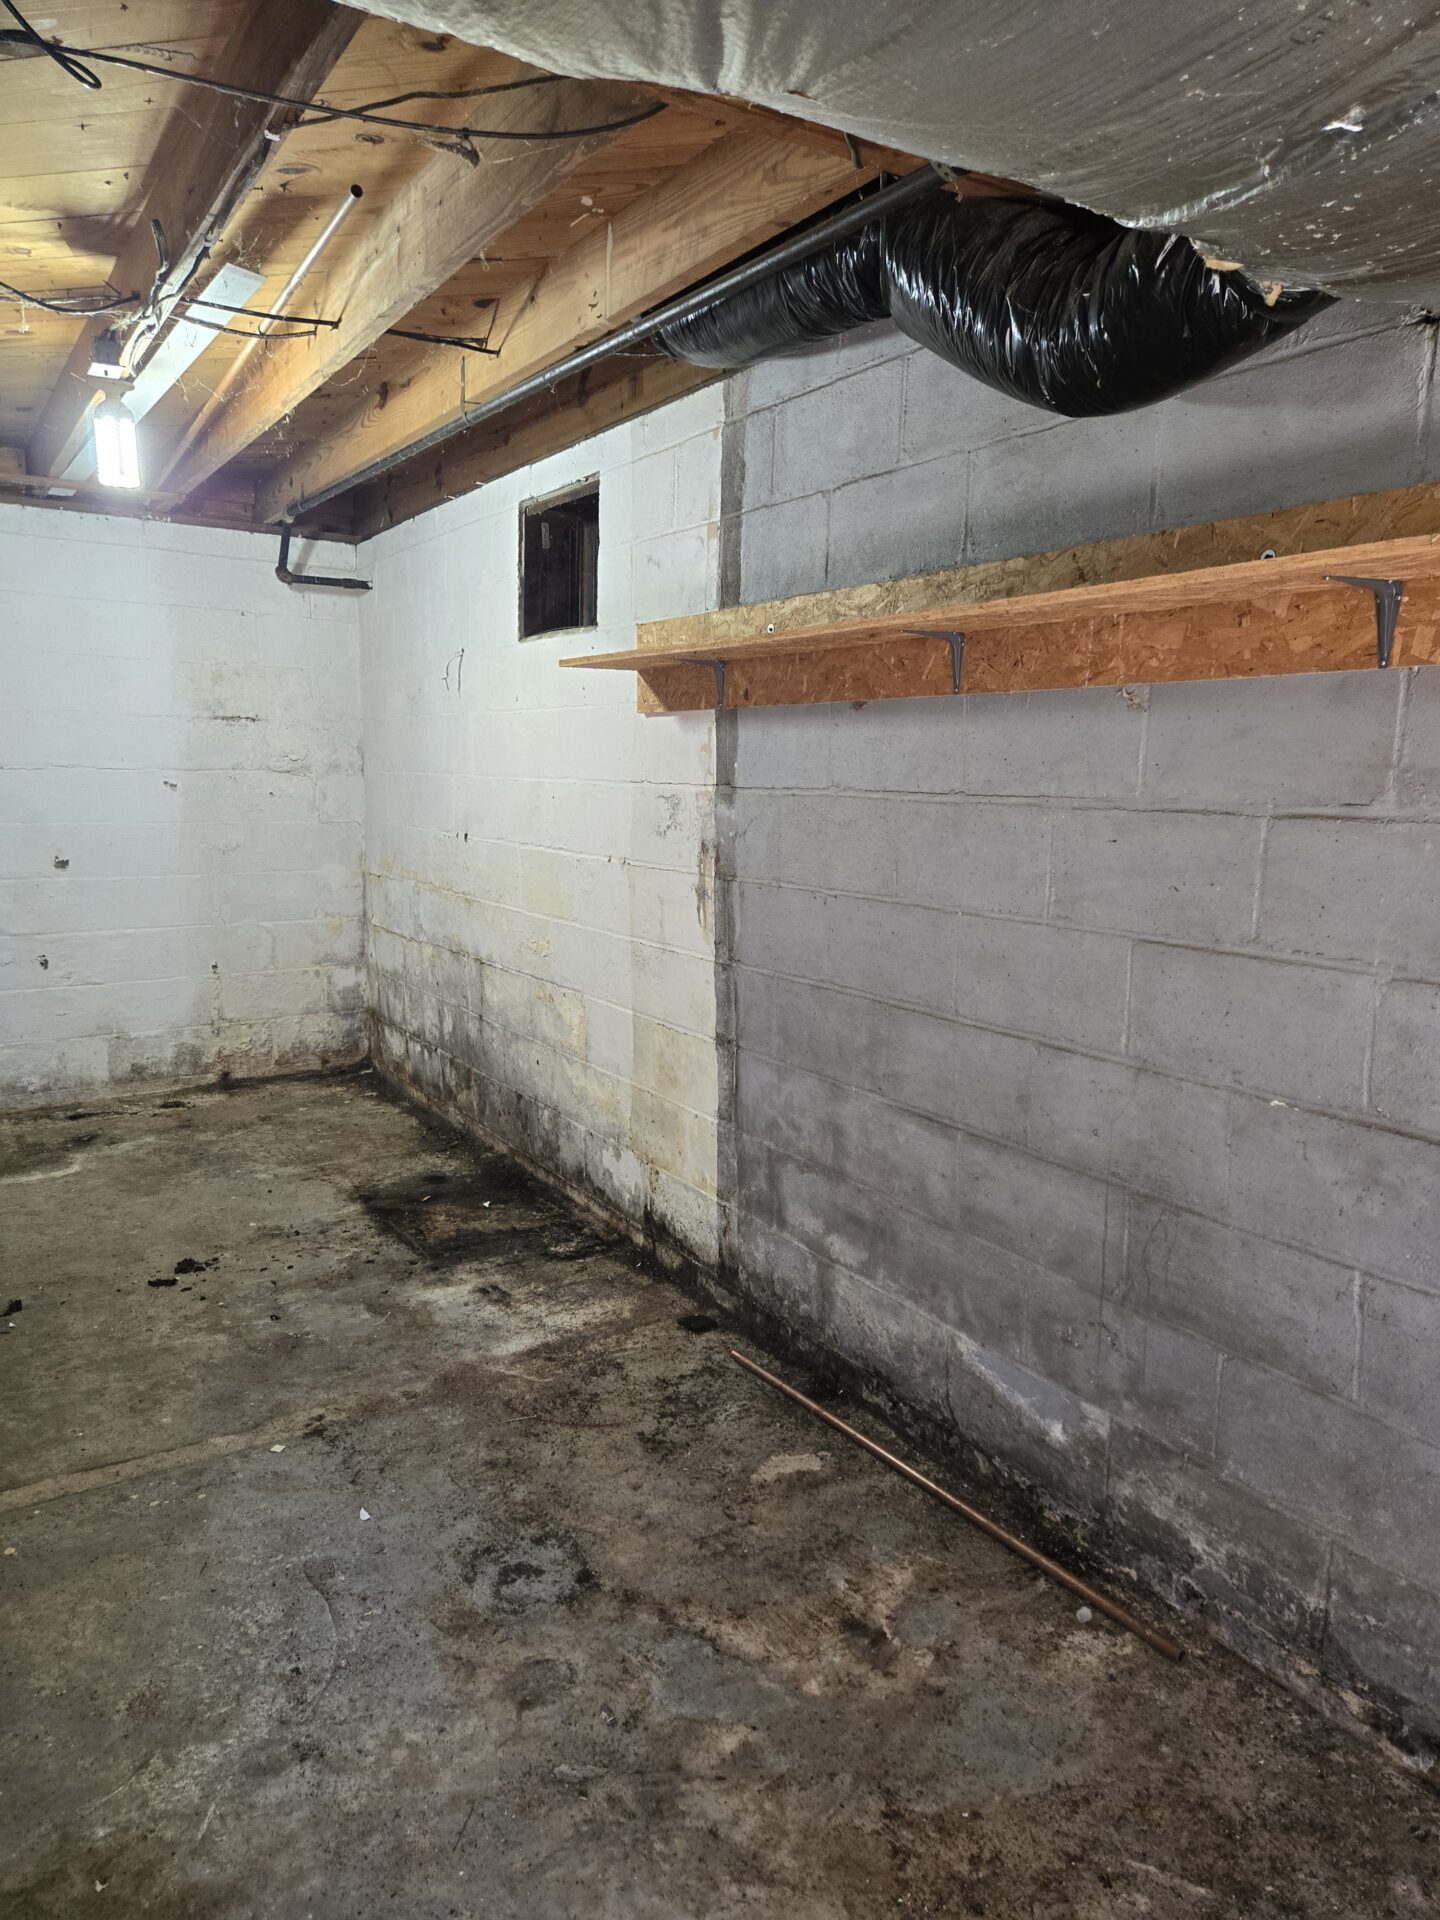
<point>225,386</point>
<point>898,194</point>
<point>1161,1642</point>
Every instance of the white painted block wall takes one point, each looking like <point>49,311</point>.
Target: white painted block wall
<point>180,807</point>
<point>539,858</point>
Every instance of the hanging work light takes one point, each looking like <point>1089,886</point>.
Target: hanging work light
<point>117,453</point>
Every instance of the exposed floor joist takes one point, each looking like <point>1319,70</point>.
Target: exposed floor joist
<point>586,404</point>
<point>557,244</point>
<point>738,194</point>
<point>450,213</point>
<point>203,167</point>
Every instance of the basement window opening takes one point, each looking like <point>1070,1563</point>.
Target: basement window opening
<point>559,561</point>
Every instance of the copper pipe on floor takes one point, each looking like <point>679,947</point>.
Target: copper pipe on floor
<point>1171,1649</point>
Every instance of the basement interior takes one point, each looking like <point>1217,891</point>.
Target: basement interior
<point>719,960</point>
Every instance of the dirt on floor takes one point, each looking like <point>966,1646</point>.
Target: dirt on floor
<point>380,1537</point>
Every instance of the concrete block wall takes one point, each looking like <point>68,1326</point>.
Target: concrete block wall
<point>1086,1044</point>
<point>1077,1053</point>
<point>180,807</point>
<point>539,859</point>
<point>1346,405</point>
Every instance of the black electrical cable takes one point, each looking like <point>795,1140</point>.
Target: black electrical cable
<point>301,326</point>
<point>462,341</point>
<point>316,110</point>
<point>304,325</point>
<point>66,62</point>
<point>259,313</point>
<point>118,305</point>
<point>300,331</point>
<point>311,323</point>
<point>452,93</point>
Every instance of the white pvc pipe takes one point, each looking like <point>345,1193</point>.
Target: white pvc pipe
<point>282,300</point>
<point>275,311</point>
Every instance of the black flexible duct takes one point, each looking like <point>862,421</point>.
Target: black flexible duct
<point>1054,305</point>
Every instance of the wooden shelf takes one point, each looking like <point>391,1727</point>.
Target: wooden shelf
<point>1283,615</point>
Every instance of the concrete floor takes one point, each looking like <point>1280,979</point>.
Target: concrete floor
<point>623,1634</point>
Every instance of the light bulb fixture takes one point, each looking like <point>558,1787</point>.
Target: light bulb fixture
<point>107,355</point>
<point>117,451</point>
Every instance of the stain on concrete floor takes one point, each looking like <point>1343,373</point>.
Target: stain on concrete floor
<point>624,1635</point>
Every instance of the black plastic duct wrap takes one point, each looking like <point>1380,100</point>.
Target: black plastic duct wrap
<point>1054,305</point>
<point>829,292</point>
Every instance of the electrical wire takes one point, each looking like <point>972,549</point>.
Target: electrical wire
<point>302,326</point>
<point>320,110</point>
<point>301,331</point>
<point>305,325</point>
<point>259,313</point>
<point>118,305</point>
<point>452,93</point>
<point>463,341</point>
<point>66,62</point>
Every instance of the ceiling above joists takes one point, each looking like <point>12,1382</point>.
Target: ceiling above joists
<point>533,246</point>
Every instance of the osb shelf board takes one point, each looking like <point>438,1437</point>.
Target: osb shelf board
<point>1398,514</point>
<point>1296,633</point>
<point>1152,607</point>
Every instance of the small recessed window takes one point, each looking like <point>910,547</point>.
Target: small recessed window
<point>559,560</point>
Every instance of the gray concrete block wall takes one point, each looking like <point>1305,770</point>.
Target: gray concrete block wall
<point>1087,1045</point>
<point>1347,405</point>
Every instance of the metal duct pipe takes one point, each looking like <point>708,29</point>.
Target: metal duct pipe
<point>824,233</point>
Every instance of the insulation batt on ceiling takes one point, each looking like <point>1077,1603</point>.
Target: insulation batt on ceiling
<point>1300,138</point>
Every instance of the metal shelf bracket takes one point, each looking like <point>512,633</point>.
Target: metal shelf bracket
<point>1388,596</point>
<point>957,648</point>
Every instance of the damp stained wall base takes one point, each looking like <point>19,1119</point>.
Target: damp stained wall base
<point>1079,1043</point>
<point>539,885</point>
<point>715,983</point>
<point>659,1214</point>
<point>1201,1566</point>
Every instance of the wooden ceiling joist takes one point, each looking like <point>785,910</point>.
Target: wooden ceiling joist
<point>203,166</point>
<point>585,404</point>
<point>746,116</point>
<point>736,195</point>
<point>547,247</point>
<point>448,215</point>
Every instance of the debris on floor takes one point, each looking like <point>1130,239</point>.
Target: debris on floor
<point>781,1465</point>
<point>623,1645</point>
<point>697,1323</point>
<point>1163,1643</point>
